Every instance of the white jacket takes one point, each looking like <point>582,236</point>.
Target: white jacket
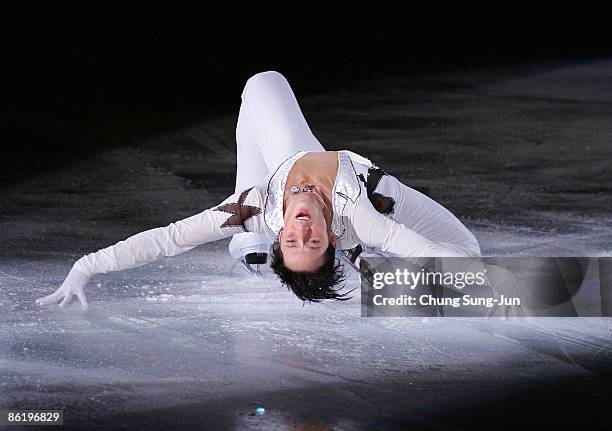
<point>370,207</point>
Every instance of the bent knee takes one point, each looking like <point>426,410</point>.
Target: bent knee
<point>266,75</point>
<point>265,79</point>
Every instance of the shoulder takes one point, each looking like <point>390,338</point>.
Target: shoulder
<point>357,159</point>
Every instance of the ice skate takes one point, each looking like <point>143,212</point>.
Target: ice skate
<point>251,250</point>
<point>356,258</point>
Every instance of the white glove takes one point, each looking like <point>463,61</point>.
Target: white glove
<point>72,285</point>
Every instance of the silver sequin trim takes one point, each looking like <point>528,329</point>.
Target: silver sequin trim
<point>346,187</point>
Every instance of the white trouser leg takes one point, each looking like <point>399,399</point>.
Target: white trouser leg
<point>270,128</point>
<point>250,169</point>
<point>250,165</point>
<point>275,118</point>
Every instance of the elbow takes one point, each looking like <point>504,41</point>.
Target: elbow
<point>472,249</point>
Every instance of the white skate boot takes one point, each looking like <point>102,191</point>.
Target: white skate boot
<point>250,249</point>
<point>352,256</point>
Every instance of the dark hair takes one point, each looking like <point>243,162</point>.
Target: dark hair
<point>312,286</point>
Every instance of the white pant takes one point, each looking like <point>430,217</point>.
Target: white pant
<point>270,128</point>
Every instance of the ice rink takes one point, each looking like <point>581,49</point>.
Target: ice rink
<point>522,155</point>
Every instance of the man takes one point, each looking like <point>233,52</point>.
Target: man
<point>294,195</point>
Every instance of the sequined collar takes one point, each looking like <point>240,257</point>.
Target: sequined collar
<point>346,188</point>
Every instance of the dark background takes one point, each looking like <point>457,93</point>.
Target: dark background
<point>89,78</point>
<point>78,82</point>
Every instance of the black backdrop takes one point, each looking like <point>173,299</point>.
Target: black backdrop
<point>79,78</point>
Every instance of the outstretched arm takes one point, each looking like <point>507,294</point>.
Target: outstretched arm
<point>233,215</point>
<point>240,212</point>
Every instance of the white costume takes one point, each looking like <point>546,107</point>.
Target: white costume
<point>370,207</point>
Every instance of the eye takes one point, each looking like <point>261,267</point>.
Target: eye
<point>314,241</point>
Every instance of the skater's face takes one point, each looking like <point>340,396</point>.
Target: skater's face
<point>306,234</point>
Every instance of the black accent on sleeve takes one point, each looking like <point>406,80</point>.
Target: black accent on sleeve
<point>239,212</point>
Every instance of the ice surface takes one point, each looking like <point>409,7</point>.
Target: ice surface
<point>521,155</point>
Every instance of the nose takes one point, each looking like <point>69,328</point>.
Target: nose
<point>302,231</point>
<point>303,227</point>
<point>302,224</point>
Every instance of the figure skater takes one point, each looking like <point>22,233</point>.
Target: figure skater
<point>297,199</point>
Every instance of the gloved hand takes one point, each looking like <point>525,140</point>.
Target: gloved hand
<point>72,285</point>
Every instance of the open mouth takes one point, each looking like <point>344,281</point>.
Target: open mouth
<point>303,215</point>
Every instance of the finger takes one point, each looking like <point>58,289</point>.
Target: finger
<point>45,300</point>
<point>82,299</point>
<point>67,300</point>
<point>49,298</point>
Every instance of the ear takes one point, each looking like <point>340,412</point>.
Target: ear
<point>332,239</point>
